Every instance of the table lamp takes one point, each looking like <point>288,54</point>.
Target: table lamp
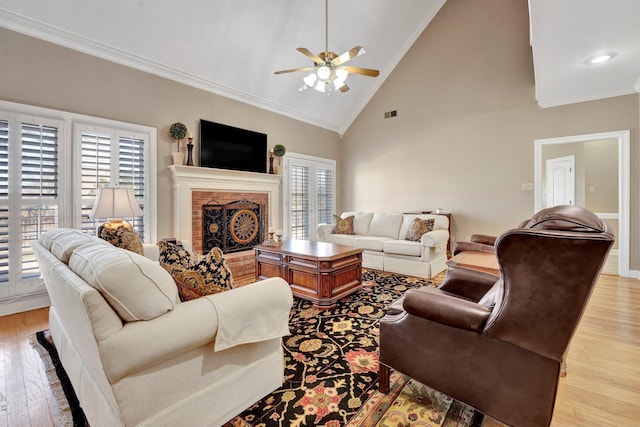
<point>115,203</point>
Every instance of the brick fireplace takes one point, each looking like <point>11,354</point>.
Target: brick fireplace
<point>195,186</point>
<point>200,198</point>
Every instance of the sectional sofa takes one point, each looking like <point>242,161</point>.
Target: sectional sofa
<point>382,236</point>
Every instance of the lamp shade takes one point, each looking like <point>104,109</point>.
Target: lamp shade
<point>115,203</point>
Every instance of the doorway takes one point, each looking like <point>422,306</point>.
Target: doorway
<point>614,212</point>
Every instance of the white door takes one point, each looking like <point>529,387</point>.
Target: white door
<point>561,181</point>
<point>309,195</point>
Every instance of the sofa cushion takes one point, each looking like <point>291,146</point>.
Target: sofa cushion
<point>385,225</point>
<point>371,243</point>
<point>402,247</point>
<point>343,225</point>
<point>123,238</point>
<point>62,242</point>
<point>196,277</point>
<point>136,287</point>
<point>361,221</point>
<point>418,227</point>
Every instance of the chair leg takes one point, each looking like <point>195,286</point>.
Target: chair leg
<point>384,375</point>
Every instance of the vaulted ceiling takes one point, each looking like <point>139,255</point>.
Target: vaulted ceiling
<point>233,47</point>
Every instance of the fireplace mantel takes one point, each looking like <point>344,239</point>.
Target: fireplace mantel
<point>187,179</point>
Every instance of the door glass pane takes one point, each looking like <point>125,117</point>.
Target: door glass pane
<point>324,185</point>
<point>4,244</point>
<point>35,220</point>
<point>299,214</point>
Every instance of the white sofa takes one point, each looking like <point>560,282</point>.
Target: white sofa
<point>381,235</point>
<point>199,362</point>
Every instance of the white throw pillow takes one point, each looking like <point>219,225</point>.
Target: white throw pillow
<point>136,287</point>
<point>63,242</point>
<point>361,221</point>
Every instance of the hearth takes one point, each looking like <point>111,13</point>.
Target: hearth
<point>233,227</point>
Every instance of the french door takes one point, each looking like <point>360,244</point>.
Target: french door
<point>309,190</point>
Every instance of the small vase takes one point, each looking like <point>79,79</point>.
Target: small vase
<point>178,157</point>
<point>190,154</point>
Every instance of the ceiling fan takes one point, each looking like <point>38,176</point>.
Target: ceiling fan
<point>329,72</point>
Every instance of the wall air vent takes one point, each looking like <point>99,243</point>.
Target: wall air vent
<point>389,114</point>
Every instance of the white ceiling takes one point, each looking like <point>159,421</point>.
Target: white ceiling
<point>565,33</point>
<point>232,47</point>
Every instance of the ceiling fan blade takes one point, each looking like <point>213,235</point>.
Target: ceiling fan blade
<point>350,54</point>
<point>315,58</point>
<point>344,88</point>
<point>362,71</point>
<point>293,70</point>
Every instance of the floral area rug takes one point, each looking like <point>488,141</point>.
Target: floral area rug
<point>63,397</point>
<point>331,371</point>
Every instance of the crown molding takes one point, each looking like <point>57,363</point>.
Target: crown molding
<point>636,85</point>
<point>556,102</point>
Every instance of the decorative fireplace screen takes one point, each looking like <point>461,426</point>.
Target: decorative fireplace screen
<point>233,227</point>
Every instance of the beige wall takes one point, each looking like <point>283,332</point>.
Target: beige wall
<point>601,170</point>
<point>467,119</point>
<point>46,75</point>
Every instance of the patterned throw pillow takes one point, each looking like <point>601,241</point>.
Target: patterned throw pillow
<point>196,276</point>
<point>418,227</point>
<point>343,226</point>
<point>123,238</point>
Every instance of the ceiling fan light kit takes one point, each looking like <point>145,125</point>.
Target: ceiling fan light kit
<point>328,72</point>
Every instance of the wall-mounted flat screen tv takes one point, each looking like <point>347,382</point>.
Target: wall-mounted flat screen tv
<point>228,147</point>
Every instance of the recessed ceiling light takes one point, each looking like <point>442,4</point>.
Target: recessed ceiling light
<point>599,59</point>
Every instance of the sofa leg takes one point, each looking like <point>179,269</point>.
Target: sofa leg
<point>383,378</point>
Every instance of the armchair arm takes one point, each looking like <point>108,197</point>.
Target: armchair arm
<point>472,246</point>
<point>263,305</point>
<point>483,239</point>
<point>468,283</point>
<point>324,230</point>
<point>435,238</point>
<point>438,306</point>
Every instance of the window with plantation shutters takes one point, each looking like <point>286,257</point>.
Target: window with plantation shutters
<point>51,164</point>
<point>29,195</point>
<point>299,193</point>
<point>326,196</point>
<point>309,195</point>
<point>38,187</point>
<point>110,157</point>
<point>4,201</point>
<point>131,172</point>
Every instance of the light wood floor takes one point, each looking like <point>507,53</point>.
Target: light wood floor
<point>602,386</point>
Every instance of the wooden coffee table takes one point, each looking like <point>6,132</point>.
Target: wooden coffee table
<point>316,271</point>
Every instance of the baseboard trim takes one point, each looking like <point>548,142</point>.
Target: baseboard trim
<point>20,303</point>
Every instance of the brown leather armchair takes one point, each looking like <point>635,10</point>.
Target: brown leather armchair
<point>497,342</point>
<point>477,242</point>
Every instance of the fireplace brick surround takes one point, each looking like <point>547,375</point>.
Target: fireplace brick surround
<point>199,198</point>
<point>195,186</point>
